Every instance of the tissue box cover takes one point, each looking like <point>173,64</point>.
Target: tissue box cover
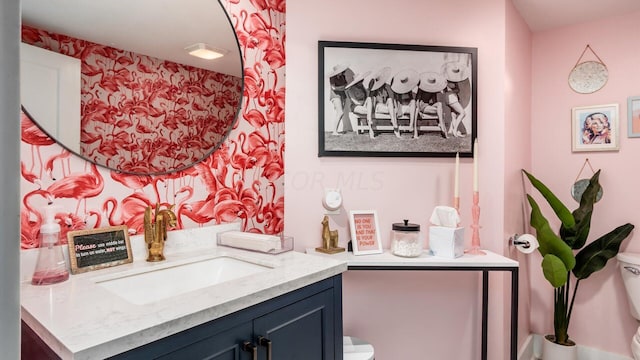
<point>446,242</point>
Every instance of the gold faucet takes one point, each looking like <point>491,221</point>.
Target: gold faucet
<point>155,231</point>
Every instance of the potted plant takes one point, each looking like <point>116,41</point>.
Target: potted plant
<point>564,253</point>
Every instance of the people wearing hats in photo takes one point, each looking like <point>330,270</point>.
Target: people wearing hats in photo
<point>457,75</point>
<point>339,77</point>
<point>429,99</point>
<point>358,93</point>
<point>463,75</point>
<point>380,99</point>
<point>404,87</point>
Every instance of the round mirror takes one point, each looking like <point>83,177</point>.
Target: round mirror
<point>121,84</point>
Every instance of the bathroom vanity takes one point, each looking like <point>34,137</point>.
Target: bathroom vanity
<point>287,306</point>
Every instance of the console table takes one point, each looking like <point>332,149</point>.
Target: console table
<point>484,263</point>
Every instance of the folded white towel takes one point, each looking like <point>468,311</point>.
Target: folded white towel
<point>250,241</point>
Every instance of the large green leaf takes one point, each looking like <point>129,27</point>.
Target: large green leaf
<point>588,198</point>
<point>554,270</point>
<point>577,235</point>
<point>558,207</point>
<point>595,255</point>
<point>549,242</point>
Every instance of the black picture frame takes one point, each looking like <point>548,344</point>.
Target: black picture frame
<point>357,118</point>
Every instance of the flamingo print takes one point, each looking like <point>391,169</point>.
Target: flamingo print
<point>69,222</point>
<point>32,135</point>
<point>131,214</point>
<point>218,189</point>
<point>79,186</point>
<point>135,182</point>
<point>29,176</point>
<point>200,211</point>
<point>31,219</point>
<point>64,154</point>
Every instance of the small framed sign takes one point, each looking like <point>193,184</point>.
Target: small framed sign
<point>98,248</point>
<point>365,233</point>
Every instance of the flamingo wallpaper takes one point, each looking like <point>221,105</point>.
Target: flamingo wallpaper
<point>142,114</point>
<point>241,181</point>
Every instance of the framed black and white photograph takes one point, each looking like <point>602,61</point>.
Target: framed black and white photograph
<point>396,100</point>
<point>595,128</point>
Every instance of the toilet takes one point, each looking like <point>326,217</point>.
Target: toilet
<point>630,270</point>
<point>357,349</point>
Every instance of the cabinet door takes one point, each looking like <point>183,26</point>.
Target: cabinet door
<point>303,330</point>
<point>222,346</point>
<point>192,345</point>
<point>32,347</point>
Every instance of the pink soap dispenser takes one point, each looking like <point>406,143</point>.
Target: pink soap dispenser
<point>51,267</point>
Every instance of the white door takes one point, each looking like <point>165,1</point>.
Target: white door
<point>50,92</point>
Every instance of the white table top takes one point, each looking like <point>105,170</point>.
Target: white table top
<point>426,260</point>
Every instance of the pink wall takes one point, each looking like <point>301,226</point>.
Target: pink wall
<point>397,310</point>
<point>242,181</point>
<point>518,147</point>
<point>601,299</point>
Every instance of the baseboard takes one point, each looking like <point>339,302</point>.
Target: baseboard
<point>526,351</point>
<point>532,350</point>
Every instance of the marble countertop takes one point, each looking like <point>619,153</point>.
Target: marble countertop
<point>80,320</point>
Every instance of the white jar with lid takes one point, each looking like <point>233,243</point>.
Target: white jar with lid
<point>405,239</point>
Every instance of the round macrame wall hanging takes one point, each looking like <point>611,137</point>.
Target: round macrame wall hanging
<point>587,77</point>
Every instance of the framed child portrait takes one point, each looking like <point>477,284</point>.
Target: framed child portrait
<point>595,128</point>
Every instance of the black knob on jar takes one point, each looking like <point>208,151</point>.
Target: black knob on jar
<point>405,226</point>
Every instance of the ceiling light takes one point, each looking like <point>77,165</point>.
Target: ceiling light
<point>205,51</point>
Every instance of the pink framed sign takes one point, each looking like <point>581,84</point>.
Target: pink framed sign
<point>365,232</point>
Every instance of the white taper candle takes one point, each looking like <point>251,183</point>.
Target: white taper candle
<point>475,165</point>
<point>456,182</point>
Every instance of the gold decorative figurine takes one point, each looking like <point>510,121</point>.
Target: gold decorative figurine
<point>155,231</point>
<point>329,239</point>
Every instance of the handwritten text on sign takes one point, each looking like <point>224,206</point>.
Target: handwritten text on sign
<point>100,248</point>
<point>365,228</point>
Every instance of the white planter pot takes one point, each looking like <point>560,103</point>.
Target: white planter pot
<point>553,351</point>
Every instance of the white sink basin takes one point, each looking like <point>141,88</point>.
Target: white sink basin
<point>158,284</point>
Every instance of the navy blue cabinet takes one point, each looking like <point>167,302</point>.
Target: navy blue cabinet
<point>302,330</point>
<point>303,324</point>
<point>224,345</point>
